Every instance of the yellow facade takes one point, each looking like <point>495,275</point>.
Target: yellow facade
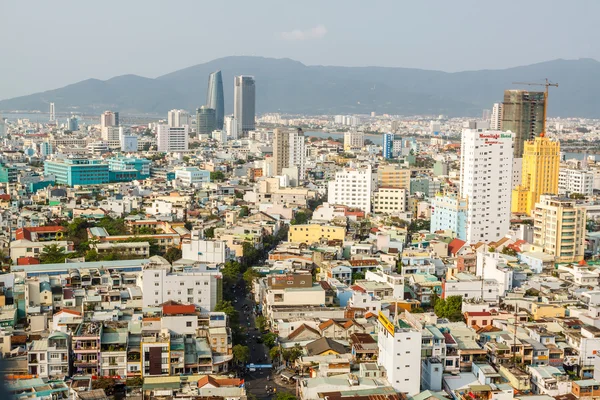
<point>393,176</point>
<point>541,159</point>
<point>313,233</point>
<point>543,310</point>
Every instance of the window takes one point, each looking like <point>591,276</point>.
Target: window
<point>156,275</point>
<point>156,284</point>
<point>188,324</point>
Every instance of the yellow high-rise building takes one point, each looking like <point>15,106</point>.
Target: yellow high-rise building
<point>541,159</point>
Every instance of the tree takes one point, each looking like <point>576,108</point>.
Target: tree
<point>509,251</point>
<point>186,159</point>
<point>250,255</point>
<point>577,196</point>
<point>357,276</point>
<point>269,339</point>
<point>239,194</point>
<point>108,384</point>
<point>241,354</point>
<point>231,272</point>
<point>419,225</point>
<point>291,355</point>
<point>449,308</point>
<point>229,310</point>
<point>53,254</point>
<point>209,233</point>
<point>300,218</point>
<point>244,211</point>
<point>114,226</point>
<point>274,353</point>
<point>217,176</point>
<point>284,396</point>
<point>261,322</point>
<point>249,276</point>
<point>173,254</point>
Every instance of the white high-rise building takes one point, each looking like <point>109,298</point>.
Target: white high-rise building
<point>575,181</point>
<point>178,118</point>
<point>289,151</point>
<point>353,140</point>
<point>496,118</point>
<point>486,164</point>
<point>298,152</point>
<point>52,113</point>
<point>231,127</point>
<point>112,133</point>
<point>400,354</point>
<point>352,187</point>
<point>109,118</point>
<point>244,103</point>
<point>129,143</point>
<point>172,139</point>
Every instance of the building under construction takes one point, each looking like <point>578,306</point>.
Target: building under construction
<point>523,114</point>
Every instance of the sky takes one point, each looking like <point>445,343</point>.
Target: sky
<point>50,44</point>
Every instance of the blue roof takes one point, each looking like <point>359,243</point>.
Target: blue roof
<point>63,268</point>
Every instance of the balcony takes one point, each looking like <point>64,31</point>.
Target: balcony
<point>85,363</point>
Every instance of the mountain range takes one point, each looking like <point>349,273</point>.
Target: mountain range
<point>288,86</point>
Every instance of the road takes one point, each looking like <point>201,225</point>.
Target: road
<point>256,381</point>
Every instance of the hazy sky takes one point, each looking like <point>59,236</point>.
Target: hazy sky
<point>49,44</point>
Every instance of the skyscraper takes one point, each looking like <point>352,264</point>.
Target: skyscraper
<point>496,118</point>
<point>215,99</point>
<point>486,162</point>
<point>205,120</point>
<point>244,103</point>
<point>178,118</point>
<point>109,118</point>
<point>523,115</point>
<point>541,159</point>
<point>281,150</point>
<point>52,113</point>
<point>73,123</point>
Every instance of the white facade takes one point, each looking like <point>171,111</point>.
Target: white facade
<point>109,118</point>
<point>219,135</point>
<point>129,143</point>
<point>353,140</point>
<point>486,289</point>
<point>231,127</point>
<point>517,175</point>
<point>200,287</point>
<point>52,113</point>
<point>172,139</point>
<point>352,187</point>
<point>494,266</point>
<point>112,133</point>
<point>575,181</point>
<point>400,355</point>
<point>486,182</point>
<point>496,120</point>
<point>208,251</point>
<point>297,144</point>
<point>192,176</point>
<point>389,200</point>
<point>178,118</point>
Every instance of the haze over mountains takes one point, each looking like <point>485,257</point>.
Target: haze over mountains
<point>284,85</point>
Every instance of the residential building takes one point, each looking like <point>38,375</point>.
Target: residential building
<point>575,181</point>
<point>129,143</point>
<point>289,151</point>
<point>231,127</point>
<point>389,200</point>
<point>178,118</point>
<point>496,118</point>
<point>244,104</point>
<point>523,115</point>
<point>559,228</point>
<point>172,139</point>
<point>201,286</point>
<point>206,251</point>
<point>313,233</point>
<point>73,123</point>
<point>86,348</point>
<point>192,176</point>
<point>541,158</point>
<point>206,120</point>
<point>8,174</point>
<point>138,168</point>
<point>52,113</point>
<point>449,212</point>
<point>353,140</point>
<point>392,146</point>
<point>486,182</point>
<point>393,176</point>
<point>215,98</point>
<point>399,353</point>
<point>352,187</point>
<point>109,118</point>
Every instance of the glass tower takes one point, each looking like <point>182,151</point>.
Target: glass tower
<point>215,99</point>
<point>244,103</point>
<point>205,120</point>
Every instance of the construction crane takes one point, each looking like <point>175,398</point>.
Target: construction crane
<point>547,84</point>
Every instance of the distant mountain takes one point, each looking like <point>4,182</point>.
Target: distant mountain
<point>284,85</point>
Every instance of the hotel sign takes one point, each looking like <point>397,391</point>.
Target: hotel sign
<point>495,136</point>
<point>386,323</point>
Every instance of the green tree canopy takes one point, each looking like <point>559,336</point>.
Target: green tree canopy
<point>53,254</point>
<point>300,218</point>
<point>241,354</point>
<point>228,308</point>
<point>217,176</point>
<point>269,339</point>
<point>450,307</point>
<point>173,254</point>
<point>209,233</point>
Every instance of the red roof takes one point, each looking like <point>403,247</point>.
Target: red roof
<point>178,309</point>
<point>25,233</point>
<point>4,196</point>
<point>478,313</point>
<point>455,245</point>
<point>360,263</point>
<point>358,288</point>
<point>28,261</point>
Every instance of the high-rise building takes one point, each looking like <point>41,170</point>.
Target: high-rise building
<point>541,160</point>
<point>172,139</point>
<point>289,150</point>
<point>353,140</point>
<point>392,146</point>
<point>112,133</point>
<point>52,113</point>
<point>178,118</point>
<point>109,118</point>
<point>559,228</point>
<point>2,126</point>
<point>496,117</point>
<point>399,345</point>
<point>523,115</point>
<point>231,127</point>
<point>215,99</point>
<point>486,115</point>
<point>393,176</point>
<point>575,181</point>
<point>46,149</point>
<point>486,162</point>
<point>73,124</point>
<point>244,103</point>
<point>205,120</point>
<point>352,187</point>
<point>449,212</point>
